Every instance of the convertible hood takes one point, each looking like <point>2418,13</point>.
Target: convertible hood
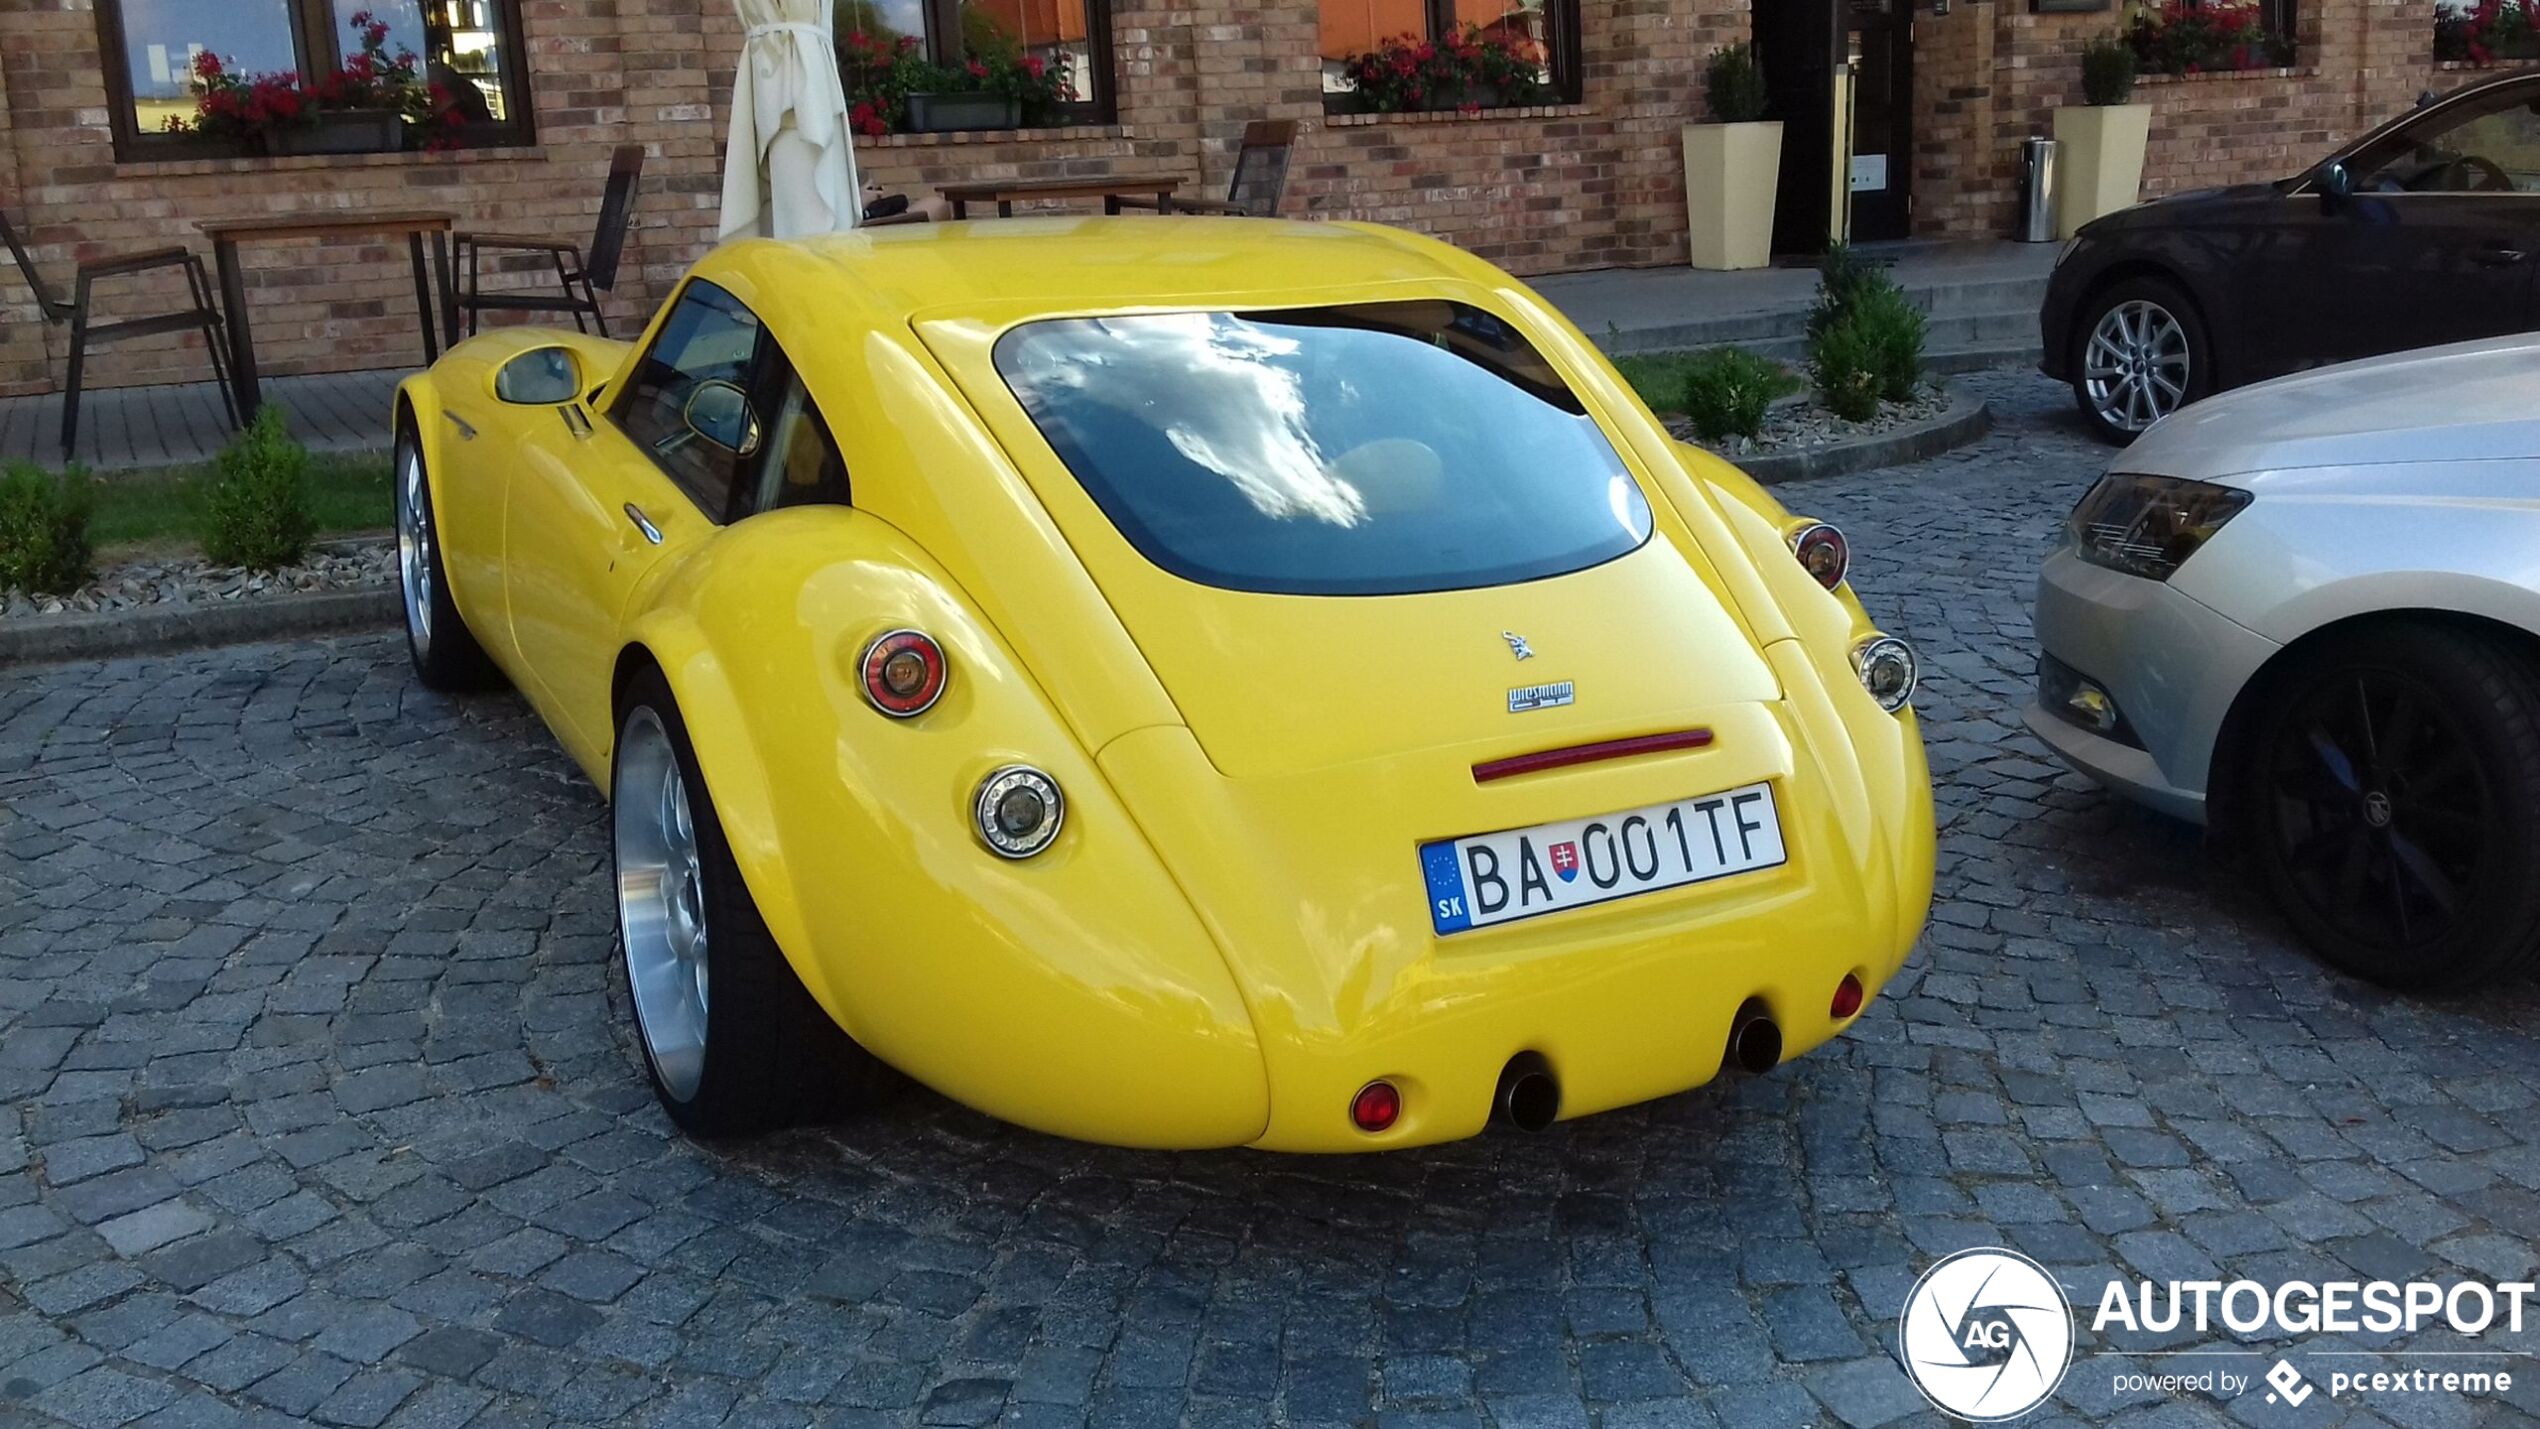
<point>2468,402</point>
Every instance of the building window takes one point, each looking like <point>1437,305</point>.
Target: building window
<point>1054,56</point>
<point>1467,53</point>
<point>467,56</point>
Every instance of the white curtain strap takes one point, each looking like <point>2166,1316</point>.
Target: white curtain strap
<point>797,27</point>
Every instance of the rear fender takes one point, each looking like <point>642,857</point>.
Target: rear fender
<point>1873,760</point>
<point>1074,992</point>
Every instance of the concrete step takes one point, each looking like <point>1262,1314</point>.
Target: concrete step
<point>1783,336</point>
<point>1973,312</point>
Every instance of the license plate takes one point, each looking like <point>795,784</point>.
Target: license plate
<point>1521,873</point>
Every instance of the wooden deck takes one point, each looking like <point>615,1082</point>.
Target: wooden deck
<point>124,428</point>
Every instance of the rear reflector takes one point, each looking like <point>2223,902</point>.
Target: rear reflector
<point>1847,996</point>
<point>1376,1107</point>
<point>1536,763</point>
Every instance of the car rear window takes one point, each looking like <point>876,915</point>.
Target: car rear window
<point>1375,449</point>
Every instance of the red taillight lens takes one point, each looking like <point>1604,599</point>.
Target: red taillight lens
<point>1376,1107</point>
<point>1847,996</point>
<point>1823,552</point>
<point>903,673</point>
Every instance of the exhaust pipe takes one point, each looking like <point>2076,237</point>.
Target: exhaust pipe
<point>1529,1097</point>
<point>1755,1040</point>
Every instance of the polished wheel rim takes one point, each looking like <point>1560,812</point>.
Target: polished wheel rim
<point>2380,809</point>
<point>661,903</point>
<point>2135,368</point>
<point>414,551</point>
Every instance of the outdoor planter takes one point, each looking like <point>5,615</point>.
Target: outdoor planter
<point>949,113</point>
<point>1731,171</point>
<point>343,131</point>
<point>2099,149</point>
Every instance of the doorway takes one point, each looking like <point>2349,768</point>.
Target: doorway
<point>1880,44</point>
<point>1806,49</point>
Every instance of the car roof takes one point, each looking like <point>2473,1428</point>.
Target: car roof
<point>1063,264</point>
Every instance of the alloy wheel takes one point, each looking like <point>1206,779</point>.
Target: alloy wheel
<point>661,903</point>
<point>414,552</point>
<point>2135,366</point>
<point>2379,808</point>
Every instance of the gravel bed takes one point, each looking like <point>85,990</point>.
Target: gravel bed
<point>136,585</point>
<point>1801,424</point>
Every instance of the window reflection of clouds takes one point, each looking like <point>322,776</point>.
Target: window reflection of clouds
<point>1212,384</point>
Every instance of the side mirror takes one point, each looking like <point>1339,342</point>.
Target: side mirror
<point>540,377</point>
<point>719,412</point>
<point>2336,184</point>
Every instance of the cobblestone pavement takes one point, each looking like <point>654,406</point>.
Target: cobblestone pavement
<point>317,1104</point>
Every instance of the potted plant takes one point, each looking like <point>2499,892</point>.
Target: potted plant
<point>2099,144</point>
<point>1732,166</point>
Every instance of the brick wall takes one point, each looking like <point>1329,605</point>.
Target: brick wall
<point>1591,185</point>
<point>2005,71</point>
<point>1571,187</point>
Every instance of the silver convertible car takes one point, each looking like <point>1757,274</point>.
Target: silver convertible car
<point>2307,613</point>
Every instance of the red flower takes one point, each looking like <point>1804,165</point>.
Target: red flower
<point>1033,66</point>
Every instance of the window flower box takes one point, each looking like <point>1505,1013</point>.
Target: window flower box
<point>892,88</point>
<point>2179,37</point>
<point>366,107</point>
<point>341,131</point>
<point>1474,69</point>
<point>953,113</point>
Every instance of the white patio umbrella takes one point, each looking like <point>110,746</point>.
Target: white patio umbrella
<point>790,168</point>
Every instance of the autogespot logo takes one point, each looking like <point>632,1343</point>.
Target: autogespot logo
<point>1986,1335</point>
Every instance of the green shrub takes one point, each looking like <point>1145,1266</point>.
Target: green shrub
<point>43,530</point>
<point>1893,327</point>
<point>1728,389</point>
<point>2107,71</point>
<point>256,513</point>
<point>1842,278</point>
<point>1843,363</point>
<point>1734,84</point>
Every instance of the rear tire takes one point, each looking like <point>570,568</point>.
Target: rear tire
<point>732,1041</point>
<point>2391,798</point>
<point>445,652</point>
<point>2139,353</point>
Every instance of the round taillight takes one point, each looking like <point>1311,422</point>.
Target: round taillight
<point>1847,996</point>
<point>1822,552</point>
<point>904,673</point>
<point>1018,810</point>
<point>1887,669</point>
<point>1376,1107</point>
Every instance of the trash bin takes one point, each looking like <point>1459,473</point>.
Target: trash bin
<point>2037,190</point>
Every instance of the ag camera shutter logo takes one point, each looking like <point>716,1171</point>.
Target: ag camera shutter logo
<point>1986,1335</point>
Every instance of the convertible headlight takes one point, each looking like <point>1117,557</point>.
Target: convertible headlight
<point>2149,525</point>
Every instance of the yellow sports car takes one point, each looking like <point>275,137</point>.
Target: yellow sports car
<point>1174,682</point>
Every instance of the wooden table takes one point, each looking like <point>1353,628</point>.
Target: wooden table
<point>1005,194</point>
<point>227,234</point>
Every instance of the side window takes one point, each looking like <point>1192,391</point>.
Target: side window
<point>709,338</point>
<point>802,466</point>
<point>2490,146</point>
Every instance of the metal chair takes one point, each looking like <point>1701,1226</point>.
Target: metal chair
<point>590,273</point>
<point>203,316</point>
<point>1261,176</point>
